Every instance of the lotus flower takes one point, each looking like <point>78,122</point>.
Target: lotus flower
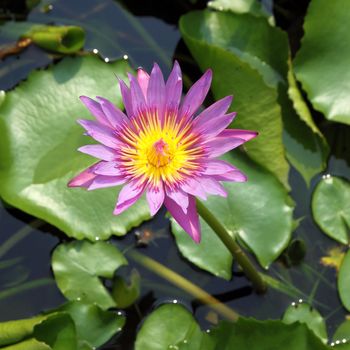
<point>160,147</point>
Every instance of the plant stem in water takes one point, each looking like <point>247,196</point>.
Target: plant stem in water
<point>242,259</point>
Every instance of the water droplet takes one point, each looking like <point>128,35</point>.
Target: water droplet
<point>301,301</point>
<point>78,299</point>
<point>185,341</point>
<point>294,304</point>
<point>119,313</point>
<point>95,51</point>
<point>126,57</point>
<point>106,59</point>
<point>337,342</point>
<point>332,344</point>
<point>208,330</point>
<point>97,238</point>
<point>175,301</point>
<point>343,341</point>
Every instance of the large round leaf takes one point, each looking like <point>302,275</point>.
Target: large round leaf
<point>342,336</point>
<point>243,67</point>
<point>331,209</point>
<point>259,212</point>
<point>78,266</point>
<point>344,281</point>
<point>38,149</point>
<point>303,313</point>
<point>325,43</point>
<point>166,326</point>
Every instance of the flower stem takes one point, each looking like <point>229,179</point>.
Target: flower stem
<point>242,259</point>
<point>184,284</point>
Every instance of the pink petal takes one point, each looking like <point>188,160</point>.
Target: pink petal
<point>216,110</point>
<point>227,140</point>
<point>217,167</point>
<point>107,169</point>
<point>155,198</point>
<point>126,98</point>
<point>114,115</point>
<point>211,186</point>
<point>190,221</point>
<point>143,79</point>
<point>85,178</point>
<point>179,196</point>
<point>100,133</point>
<point>137,98</point>
<point>129,194</point>
<point>99,151</point>
<point>173,88</point>
<point>215,125</point>
<point>95,109</point>
<point>233,176</point>
<point>101,181</point>
<point>196,95</point>
<point>193,187</point>
<point>156,91</point>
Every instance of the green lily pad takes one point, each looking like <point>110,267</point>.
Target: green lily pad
<point>341,336</point>
<point>303,313</point>
<point>241,67</point>
<point>330,207</point>
<point>30,344</point>
<point>78,266</point>
<point>324,43</point>
<point>39,141</point>
<point>259,212</point>
<point>165,327</point>
<point>160,332</point>
<point>344,281</point>
<point>94,326</point>
<point>57,331</point>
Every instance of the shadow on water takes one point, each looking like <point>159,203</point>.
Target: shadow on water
<point>26,282</point>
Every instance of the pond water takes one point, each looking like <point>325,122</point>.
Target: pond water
<point>27,286</point>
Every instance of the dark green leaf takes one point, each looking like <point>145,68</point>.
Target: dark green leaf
<point>39,140</point>
<point>322,61</point>
<point>78,266</point>
<point>243,66</point>
<point>344,281</point>
<point>331,209</point>
<point>303,313</point>
<point>259,212</point>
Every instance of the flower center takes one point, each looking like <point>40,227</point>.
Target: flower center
<point>159,154</point>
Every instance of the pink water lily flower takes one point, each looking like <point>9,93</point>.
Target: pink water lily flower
<point>160,146</point>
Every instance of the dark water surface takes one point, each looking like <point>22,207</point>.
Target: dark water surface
<point>26,282</point>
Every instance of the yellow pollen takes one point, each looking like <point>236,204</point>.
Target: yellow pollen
<point>158,151</point>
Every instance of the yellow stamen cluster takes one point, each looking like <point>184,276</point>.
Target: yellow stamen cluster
<point>156,150</point>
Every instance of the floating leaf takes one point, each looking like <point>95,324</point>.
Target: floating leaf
<point>259,212</point>
<point>327,84</point>
<point>331,209</point>
<point>341,336</point>
<point>15,331</point>
<point>303,313</point>
<point>344,281</point>
<point>39,140</point>
<point>171,323</point>
<point>94,326</point>
<point>57,331</point>
<point>165,327</point>
<point>78,266</point>
<point>243,67</point>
